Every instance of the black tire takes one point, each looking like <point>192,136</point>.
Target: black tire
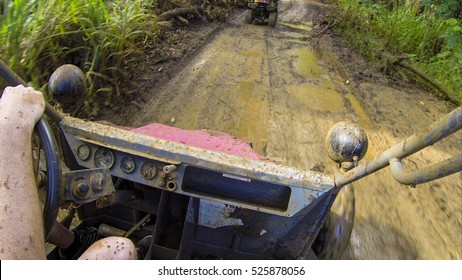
<point>335,233</point>
<point>272,19</point>
<point>248,16</point>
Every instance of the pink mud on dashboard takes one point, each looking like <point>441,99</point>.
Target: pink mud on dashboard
<point>209,140</point>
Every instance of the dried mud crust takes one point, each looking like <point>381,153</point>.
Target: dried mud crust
<point>282,89</point>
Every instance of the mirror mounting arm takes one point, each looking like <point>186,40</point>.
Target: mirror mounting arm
<point>430,173</point>
<point>440,129</point>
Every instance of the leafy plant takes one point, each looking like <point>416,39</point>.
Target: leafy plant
<point>426,36</point>
<point>443,8</point>
<point>98,36</point>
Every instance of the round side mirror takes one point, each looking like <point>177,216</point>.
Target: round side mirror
<point>346,142</point>
<point>67,84</point>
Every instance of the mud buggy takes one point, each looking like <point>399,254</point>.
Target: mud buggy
<point>203,194</point>
<point>262,11</point>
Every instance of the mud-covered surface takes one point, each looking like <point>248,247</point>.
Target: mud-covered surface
<point>282,89</point>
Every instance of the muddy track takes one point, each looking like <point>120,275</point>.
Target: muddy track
<point>282,89</point>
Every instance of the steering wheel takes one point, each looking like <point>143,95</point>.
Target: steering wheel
<point>50,148</point>
<point>53,196</point>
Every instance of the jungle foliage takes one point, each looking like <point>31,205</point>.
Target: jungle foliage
<point>100,36</point>
<point>428,33</point>
<point>96,35</point>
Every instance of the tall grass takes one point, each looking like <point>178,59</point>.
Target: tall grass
<point>99,36</point>
<point>431,42</point>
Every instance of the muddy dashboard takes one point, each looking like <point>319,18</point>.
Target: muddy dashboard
<point>256,184</point>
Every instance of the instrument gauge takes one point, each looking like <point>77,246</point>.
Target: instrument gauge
<point>83,152</point>
<point>104,158</point>
<point>148,170</point>
<point>127,164</point>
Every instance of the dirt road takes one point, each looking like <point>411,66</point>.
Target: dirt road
<point>282,89</point>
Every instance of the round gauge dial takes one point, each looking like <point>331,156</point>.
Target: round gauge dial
<point>104,158</point>
<point>148,170</point>
<point>83,152</point>
<point>127,164</point>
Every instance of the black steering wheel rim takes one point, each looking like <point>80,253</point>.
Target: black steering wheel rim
<point>53,167</point>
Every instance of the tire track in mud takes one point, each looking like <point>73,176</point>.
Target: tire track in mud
<point>388,225</point>
<point>224,88</point>
<point>281,90</point>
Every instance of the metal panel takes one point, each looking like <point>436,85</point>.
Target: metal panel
<point>305,186</point>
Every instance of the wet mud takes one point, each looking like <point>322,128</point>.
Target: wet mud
<point>282,88</point>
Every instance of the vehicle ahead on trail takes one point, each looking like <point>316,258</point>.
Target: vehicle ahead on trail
<point>262,11</point>
<point>203,194</point>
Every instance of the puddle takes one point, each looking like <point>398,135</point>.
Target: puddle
<point>250,53</point>
<point>317,97</point>
<point>361,115</point>
<point>259,37</point>
<point>201,62</point>
<point>253,112</point>
<point>253,61</point>
<point>296,35</point>
<point>364,123</point>
<point>299,42</point>
<point>246,88</point>
<point>307,63</point>
<point>304,27</point>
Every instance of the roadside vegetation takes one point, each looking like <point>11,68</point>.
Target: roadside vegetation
<point>102,37</point>
<point>96,35</point>
<point>427,34</point>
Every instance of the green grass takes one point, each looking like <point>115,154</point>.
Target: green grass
<point>98,36</point>
<point>431,42</point>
